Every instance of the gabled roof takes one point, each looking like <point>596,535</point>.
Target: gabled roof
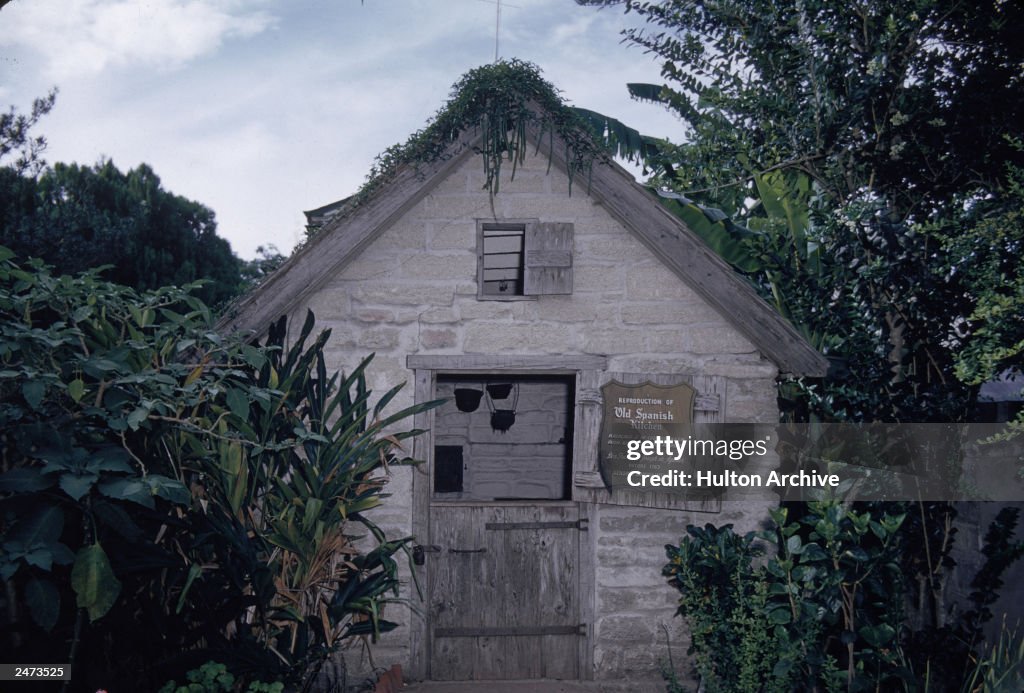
<point>345,234</point>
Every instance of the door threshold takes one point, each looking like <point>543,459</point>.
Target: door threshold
<point>536,686</point>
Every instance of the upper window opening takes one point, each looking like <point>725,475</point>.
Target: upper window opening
<point>503,252</point>
<point>503,437</point>
<point>524,258</point>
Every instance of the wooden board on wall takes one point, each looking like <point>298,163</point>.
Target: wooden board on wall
<point>709,407</point>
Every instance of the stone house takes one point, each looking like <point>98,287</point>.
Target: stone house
<point>533,299</point>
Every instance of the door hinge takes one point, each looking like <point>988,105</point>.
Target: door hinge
<point>580,524</point>
<point>504,631</point>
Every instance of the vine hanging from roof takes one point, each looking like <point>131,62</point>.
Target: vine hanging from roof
<point>501,101</point>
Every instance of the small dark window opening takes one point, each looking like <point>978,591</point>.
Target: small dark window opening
<point>503,259</point>
<point>447,469</point>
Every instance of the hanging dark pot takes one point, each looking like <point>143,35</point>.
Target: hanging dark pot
<point>499,390</point>
<point>502,419</point>
<point>467,399</point>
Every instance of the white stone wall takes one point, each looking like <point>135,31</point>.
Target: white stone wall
<point>413,291</point>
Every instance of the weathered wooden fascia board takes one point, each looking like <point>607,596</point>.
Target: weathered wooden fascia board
<point>340,241</point>
<point>469,362</point>
<point>694,262</point>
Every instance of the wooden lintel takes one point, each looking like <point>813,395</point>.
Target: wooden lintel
<point>483,362</point>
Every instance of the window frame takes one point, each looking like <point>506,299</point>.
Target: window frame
<point>526,225</point>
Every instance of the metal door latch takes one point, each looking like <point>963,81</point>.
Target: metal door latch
<point>419,553</point>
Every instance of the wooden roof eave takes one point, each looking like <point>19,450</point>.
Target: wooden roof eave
<point>339,241</point>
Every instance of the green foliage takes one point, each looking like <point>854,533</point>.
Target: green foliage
<point>77,218</point>
<point>822,613</point>
<point>883,128</point>
<point>254,272</point>
<point>94,582</point>
<point>83,363</point>
<point>988,250</point>
<point>501,101</point>
<point>15,137</point>
<point>1001,668</point>
<point>855,161</point>
<point>215,678</point>
<point>82,217</point>
<point>826,611</point>
<point>905,98</point>
<point>168,494</point>
<point>311,454</point>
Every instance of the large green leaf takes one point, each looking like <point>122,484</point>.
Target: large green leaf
<point>96,587</point>
<point>238,403</point>
<point>43,601</point>
<point>878,636</point>
<point>133,490</point>
<point>33,391</point>
<point>76,389</point>
<point>618,138</point>
<point>116,518</point>
<point>715,228</point>
<point>169,489</point>
<point>77,484</point>
<point>24,480</point>
<point>109,459</point>
<point>42,526</point>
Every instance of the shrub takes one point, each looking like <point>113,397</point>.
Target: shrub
<point>169,496</point>
<point>819,613</point>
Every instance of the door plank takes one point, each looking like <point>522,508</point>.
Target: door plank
<point>455,592</point>
<point>511,612</point>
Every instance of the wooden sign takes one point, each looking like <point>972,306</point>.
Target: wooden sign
<point>639,413</point>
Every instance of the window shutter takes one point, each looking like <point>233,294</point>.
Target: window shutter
<point>547,259</point>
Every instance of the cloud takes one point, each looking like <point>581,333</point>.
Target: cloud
<point>85,37</point>
<point>262,109</point>
<point>576,28</point>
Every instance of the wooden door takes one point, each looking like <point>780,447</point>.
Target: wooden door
<point>504,590</point>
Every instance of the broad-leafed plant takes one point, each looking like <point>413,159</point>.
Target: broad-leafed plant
<point>168,494</point>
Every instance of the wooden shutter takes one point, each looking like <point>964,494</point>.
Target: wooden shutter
<point>708,407</point>
<point>547,259</point>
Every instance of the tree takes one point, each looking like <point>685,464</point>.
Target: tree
<point>865,158</point>
<point>990,249</point>
<point>14,135</point>
<point>893,119</point>
<point>268,259</point>
<point>77,217</point>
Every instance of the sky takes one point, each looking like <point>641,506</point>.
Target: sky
<point>261,109</point>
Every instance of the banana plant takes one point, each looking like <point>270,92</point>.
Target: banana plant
<point>776,233</point>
